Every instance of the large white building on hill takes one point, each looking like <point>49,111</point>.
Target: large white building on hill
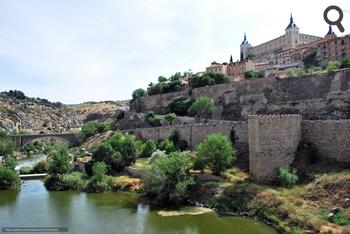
<point>265,51</point>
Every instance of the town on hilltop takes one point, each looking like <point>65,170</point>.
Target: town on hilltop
<point>289,51</point>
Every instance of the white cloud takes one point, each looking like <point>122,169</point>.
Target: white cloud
<point>90,50</point>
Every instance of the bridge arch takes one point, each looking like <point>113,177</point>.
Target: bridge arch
<point>22,140</point>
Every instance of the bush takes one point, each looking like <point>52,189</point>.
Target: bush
<point>105,153</point>
<point>179,105</point>
<point>99,181</point>
<point>138,93</point>
<point>7,147</point>
<point>198,163</point>
<point>59,162</point>
<point>148,148</point>
<point>208,79</point>
<point>254,74</point>
<point>167,146</point>
<point>9,179</point>
<point>170,118</point>
<point>10,162</point>
<point>92,128</point>
<point>216,152</point>
<point>182,145</point>
<point>202,107</point>
<point>40,167</point>
<point>74,181</point>
<point>333,65</point>
<point>345,63</point>
<point>152,119</point>
<point>287,177</point>
<point>26,170</point>
<point>169,179</point>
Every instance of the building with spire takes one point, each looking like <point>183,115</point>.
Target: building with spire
<point>265,51</point>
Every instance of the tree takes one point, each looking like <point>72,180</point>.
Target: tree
<point>9,179</point>
<point>169,179</point>
<point>59,162</point>
<point>152,119</point>
<point>148,148</point>
<point>170,118</point>
<point>202,107</point>
<point>345,63</point>
<point>179,105</point>
<point>7,147</point>
<point>138,93</point>
<point>216,152</point>
<point>254,74</point>
<point>162,79</point>
<point>98,182</point>
<point>168,146</point>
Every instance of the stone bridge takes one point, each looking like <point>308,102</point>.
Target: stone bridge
<point>22,140</point>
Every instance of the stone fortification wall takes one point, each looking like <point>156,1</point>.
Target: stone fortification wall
<point>273,141</point>
<point>320,96</point>
<point>331,138</point>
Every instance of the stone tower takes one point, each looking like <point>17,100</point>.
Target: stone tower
<point>244,48</point>
<point>292,37</point>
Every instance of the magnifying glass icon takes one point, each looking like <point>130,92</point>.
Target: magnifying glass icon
<point>336,22</point>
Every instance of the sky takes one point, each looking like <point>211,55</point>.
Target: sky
<point>74,51</point>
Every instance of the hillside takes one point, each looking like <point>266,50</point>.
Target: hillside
<point>36,114</point>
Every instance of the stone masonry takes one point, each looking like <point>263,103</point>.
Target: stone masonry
<point>273,141</point>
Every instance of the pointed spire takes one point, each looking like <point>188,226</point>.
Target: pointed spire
<point>244,39</point>
<point>330,31</point>
<point>291,22</point>
<point>231,59</point>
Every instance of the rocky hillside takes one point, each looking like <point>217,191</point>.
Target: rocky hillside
<point>35,114</point>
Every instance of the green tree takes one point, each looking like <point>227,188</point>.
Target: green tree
<point>169,179</point>
<point>138,93</point>
<point>9,179</point>
<point>170,118</point>
<point>216,152</point>
<point>59,162</point>
<point>98,182</point>
<point>168,146</point>
<point>345,63</point>
<point>202,107</point>
<point>179,105</point>
<point>162,79</point>
<point>148,148</point>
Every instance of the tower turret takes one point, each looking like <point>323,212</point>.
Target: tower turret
<point>245,46</point>
<point>292,37</point>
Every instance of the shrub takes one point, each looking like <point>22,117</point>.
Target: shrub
<point>345,63</point>
<point>148,148</point>
<point>152,119</point>
<point>26,170</point>
<point>40,167</point>
<point>170,118</point>
<point>9,179</point>
<point>74,181</point>
<point>254,74</point>
<point>198,163</point>
<point>287,177</point>
<point>179,105</point>
<point>59,162</point>
<point>167,146</point>
<point>99,181</point>
<point>138,93</point>
<point>169,179</point>
<point>7,147</point>
<point>182,145</point>
<point>216,152</point>
<point>10,162</point>
<point>202,107</point>
<point>333,65</point>
<point>92,128</point>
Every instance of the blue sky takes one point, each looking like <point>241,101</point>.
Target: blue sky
<point>74,51</point>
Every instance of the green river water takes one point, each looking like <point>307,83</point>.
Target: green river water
<point>103,213</point>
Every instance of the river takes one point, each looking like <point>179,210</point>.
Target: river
<point>29,161</point>
<point>103,213</point>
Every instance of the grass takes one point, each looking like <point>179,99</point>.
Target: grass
<point>141,163</point>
